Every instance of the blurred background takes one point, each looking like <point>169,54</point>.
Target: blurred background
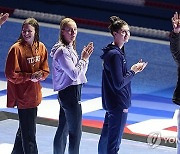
<point>94,14</point>
<point>150,25</point>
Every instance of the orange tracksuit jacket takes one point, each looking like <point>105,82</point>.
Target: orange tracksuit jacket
<point>22,61</point>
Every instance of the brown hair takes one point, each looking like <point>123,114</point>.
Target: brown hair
<point>115,24</point>
<point>33,22</point>
<point>64,22</point>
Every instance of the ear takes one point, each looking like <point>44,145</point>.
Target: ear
<point>62,32</point>
<point>114,33</point>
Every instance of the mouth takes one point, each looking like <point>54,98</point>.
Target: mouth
<point>27,37</point>
<point>126,37</point>
<point>73,37</point>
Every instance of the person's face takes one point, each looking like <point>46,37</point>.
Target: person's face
<point>28,33</point>
<point>69,32</point>
<point>123,34</point>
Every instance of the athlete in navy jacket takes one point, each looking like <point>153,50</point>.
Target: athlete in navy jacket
<point>116,81</point>
<point>116,87</point>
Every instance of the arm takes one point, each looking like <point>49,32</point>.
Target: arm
<point>119,77</point>
<point>86,53</point>
<point>86,67</point>
<point>65,61</point>
<point>12,69</point>
<point>44,67</point>
<point>175,46</point>
<point>43,70</point>
<point>175,37</point>
<point>74,70</point>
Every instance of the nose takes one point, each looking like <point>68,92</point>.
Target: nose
<point>25,32</point>
<point>73,31</point>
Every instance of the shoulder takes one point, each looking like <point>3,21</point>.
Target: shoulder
<point>116,57</point>
<point>15,47</point>
<point>42,48</point>
<point>60,52</point>
<point>113,56</point>
<point>15,50</point>
<point>42,45</point>
<point>114,53</point>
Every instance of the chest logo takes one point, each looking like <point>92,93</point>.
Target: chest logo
<point>33,60</point>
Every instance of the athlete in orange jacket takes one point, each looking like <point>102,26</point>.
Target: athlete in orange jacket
<point>22,62</point>
<point>26,66</point>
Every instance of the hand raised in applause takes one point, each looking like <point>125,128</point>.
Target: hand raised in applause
<point>176,22</point>
<point>87,51</point>
<point>138,67</point>
<point>3,18</point>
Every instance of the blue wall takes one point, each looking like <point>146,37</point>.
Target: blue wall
<point>149,17</point>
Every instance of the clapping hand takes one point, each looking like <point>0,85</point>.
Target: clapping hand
<point>36,76</point>
<point>176,22</point>
<point>87,51</point>
<point>3,18</point>
<point>140,66</point>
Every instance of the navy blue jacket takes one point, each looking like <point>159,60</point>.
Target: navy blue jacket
<point>175,50</point>
<point>175,46</point>
<point>116,79</point>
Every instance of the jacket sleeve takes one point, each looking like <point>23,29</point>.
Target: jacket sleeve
<point>119,77</point>
<point>86,67</point>
<point>44,67</point>
<point>72,70</point>
<point>12,69</point>
<point>175,46</point>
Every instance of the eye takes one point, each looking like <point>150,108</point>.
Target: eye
<point>125,32</point>
<point>25,31</point>
<point>68,29</point>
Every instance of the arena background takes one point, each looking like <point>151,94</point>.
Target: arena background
<point>150,23</point>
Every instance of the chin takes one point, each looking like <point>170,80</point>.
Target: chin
<point>73,39</point>
<point>126,41</point>
<point>27,39</point>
